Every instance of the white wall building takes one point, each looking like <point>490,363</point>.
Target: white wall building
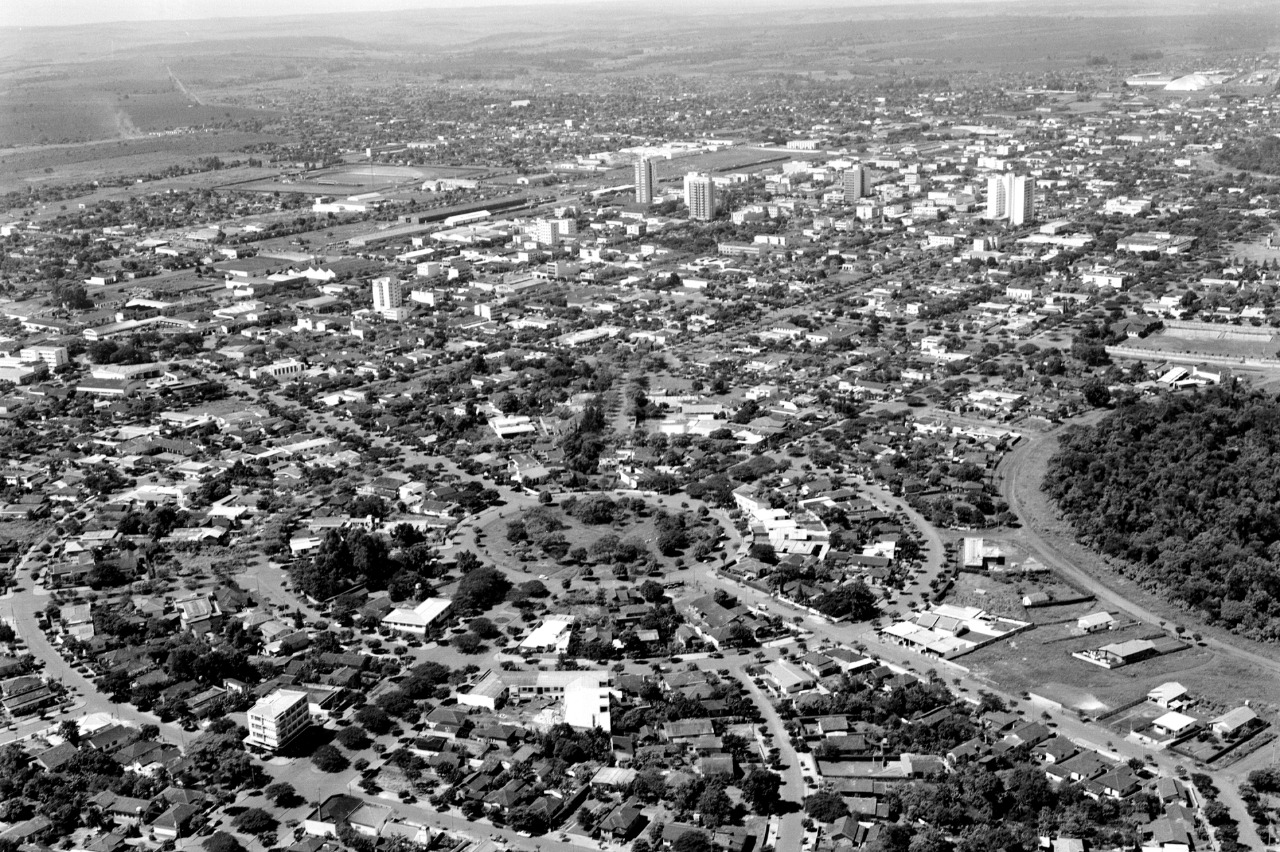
<point>700,196</point>
<point>646,180</point>
<point>277,718</point>
<point>420,618</point>
<point>1010,197</point>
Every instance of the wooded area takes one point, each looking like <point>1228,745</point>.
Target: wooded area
<point>1255,155</point>
<point>1185,490</point>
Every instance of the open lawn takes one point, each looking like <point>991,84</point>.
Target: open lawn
<point>1040,661</point>
<point>602,543</point>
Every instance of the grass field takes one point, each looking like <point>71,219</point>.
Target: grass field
<point>1041,662</point>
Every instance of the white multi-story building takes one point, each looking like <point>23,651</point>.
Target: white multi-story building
<point>856,181</point>
<point>277,718</point>
<point>388,297</point>
<point>551,232</point>
<point>700,196</point>
<point>1011,197</point>
<point>646,180</point>
<point>54,356</point>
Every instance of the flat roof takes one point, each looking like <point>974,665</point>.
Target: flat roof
<point>277,702</point>
<point>548,632</point>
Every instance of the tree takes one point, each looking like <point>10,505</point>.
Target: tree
<point>652,591</point>
<point>825,807</point>
<point>764,552</point>
<point>221,841</point>
<point>69,730</point>
<point>1097,394</point>
<point>255,821</point>
<point>930,839</point>
<point>714,806</point>
<point>760,789</point>
<point>282,794</point>
<point>692,841</point>
<point>484,628</point>
<point>329,759</point>
<point>353,738</point>
<point>650,785</point>
<point>1266,780</point>
<point>852,600</point>
<point>468,643</point>
<point>481,589</point>
<point>526,819</point>
<point>373,718</point>
<point>741,636</point>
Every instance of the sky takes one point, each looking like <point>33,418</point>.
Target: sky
<point>39,13</point>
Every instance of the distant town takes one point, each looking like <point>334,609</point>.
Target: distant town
<point>535,474</point>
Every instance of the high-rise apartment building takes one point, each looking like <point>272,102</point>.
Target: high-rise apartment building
<point>1011,197</point>
<point>277,718</point>
<point>856,182</point>
<point>700,196</point>
<point>646,180</point>
<point>388,293</point>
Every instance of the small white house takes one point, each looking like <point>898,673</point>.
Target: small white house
<point>1171,695</point>
<point>1234,722</point>
<point>1095,622</point>
<point>1174,724</point>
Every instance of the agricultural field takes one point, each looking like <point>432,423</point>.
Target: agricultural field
<point>104,161</point>
<point>106,100</point>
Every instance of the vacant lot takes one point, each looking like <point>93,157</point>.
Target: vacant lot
<point>1040,661</point>
<point>1002,595</point>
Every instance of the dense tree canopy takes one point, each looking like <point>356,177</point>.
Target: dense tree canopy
<point>1256,155</point>
<point>1185,490</point>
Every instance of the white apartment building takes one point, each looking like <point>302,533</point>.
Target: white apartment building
<point>1011,197</point>
<point>646,180</point>
<point>277,718</point>
<point>700,196</point>
<point>387,293</point>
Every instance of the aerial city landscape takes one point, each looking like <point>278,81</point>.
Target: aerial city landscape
<point>725,427</point>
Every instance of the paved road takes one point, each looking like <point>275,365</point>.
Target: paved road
<point>790,825</point>
<point>1066,722</point>
<point>1016,483</point>
<point>934,560</point>
<point>22,610</point>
